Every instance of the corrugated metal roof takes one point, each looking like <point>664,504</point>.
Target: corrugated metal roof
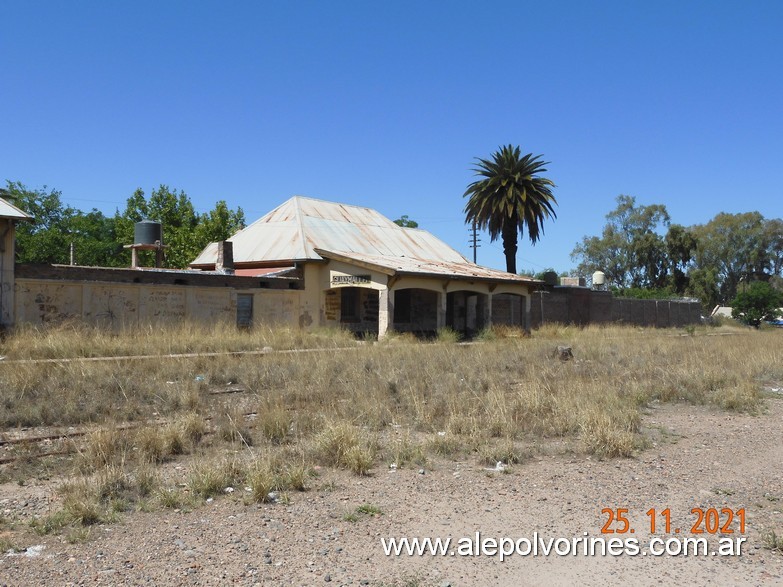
<point>8,210</point>
<point>414,266</point>
<point>295,229</point>
<point>261,271</point>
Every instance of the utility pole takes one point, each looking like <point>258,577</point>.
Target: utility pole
<point>474,240</point>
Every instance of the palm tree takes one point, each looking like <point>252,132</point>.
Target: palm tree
<point>509,197</point>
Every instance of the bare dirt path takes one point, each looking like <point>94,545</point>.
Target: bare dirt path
<point>701,458</point>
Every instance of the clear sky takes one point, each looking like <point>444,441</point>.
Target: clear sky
<point>386,105</point>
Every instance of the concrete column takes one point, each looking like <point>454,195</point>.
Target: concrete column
<point>385,311</point>
<point>6,272</point>
<point>527,312</point>
<point>488,311</point>
<point>441,318</point>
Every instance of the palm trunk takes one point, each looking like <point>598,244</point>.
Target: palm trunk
<point>509,236</point>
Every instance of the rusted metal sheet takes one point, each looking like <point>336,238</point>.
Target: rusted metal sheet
<point>293,230</point>
<point>415,266</point>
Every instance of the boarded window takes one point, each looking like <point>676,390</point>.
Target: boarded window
<point>349,304</point>
<point>244,310</point>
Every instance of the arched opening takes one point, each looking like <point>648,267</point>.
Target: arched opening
<point>467,312</point>
<point>508,310</point>
<point>416,311</point>
<point>358,309</point>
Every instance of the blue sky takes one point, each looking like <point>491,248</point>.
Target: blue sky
<point>387,104</point>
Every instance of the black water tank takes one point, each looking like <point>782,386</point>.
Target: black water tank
<point>147,232</point>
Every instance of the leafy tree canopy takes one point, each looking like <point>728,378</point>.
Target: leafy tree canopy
<point>406,222</point>
<point>56,226</point>
<point>733,247</point>
<point>756,303</point>
<point>98,240</point>
<point>632,250</point>
<point>639,249</point>
<point>185,232</point>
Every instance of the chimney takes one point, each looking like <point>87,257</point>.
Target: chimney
<point>225,257</point>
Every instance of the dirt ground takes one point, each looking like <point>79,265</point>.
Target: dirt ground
<point>699,458</point>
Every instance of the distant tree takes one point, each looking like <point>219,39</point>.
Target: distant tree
<point>185,232</point>
<point>174,211</point>
<point>94,239</point>
<point>773,236</point>
<point>757,303</point>
<point>55,227</point>
<point>510,197</point>
<point>680,247</point>
<point>406,222</point>
<point>218,224</point>
<point>630,251</point>
<point>734,246</point>
<point>704,285</point>
<point>44,240</point>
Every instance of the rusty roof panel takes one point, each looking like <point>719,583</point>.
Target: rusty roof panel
<point>412,265</point>
<point>293,230</point>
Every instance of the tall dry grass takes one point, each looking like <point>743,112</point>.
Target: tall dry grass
<point>399,401</point>
<point>504,387</point>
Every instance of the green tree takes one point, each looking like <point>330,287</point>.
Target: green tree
<point>185,233</point>
<point>510,197</point>
<point>218,224</point>
<point>94,239</point>
<point>630,251</point>
<point>174,211</point>
<point>44,240</point>
<point>773,237</point>
<point>756,303</point>
<point>734,246</point>
<point>680,247</point>
<point>406,222</point>
<point>56,227</point>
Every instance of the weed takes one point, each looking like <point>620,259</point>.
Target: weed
<point>171,498</point>
<point>364,510</point>
<point>78,535</point>
<point>369,509</point>
<point>344,445</point>
<point>209,479</point>
<point>275,423</point>
<point>773,541</point>
<point>231,427</point>
<point>193,427</point>
<point>505,452</point>
<point>448,335</point>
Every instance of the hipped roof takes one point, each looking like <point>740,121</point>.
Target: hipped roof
<point>306,229</point>
<point>8,210</point>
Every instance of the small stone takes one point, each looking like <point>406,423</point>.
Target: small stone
<point>328,578</point>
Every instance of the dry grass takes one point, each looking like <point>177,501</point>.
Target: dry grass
<point>399,401</point>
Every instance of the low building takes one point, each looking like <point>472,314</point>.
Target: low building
<point>9,216</point>
<point>363,272</point>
